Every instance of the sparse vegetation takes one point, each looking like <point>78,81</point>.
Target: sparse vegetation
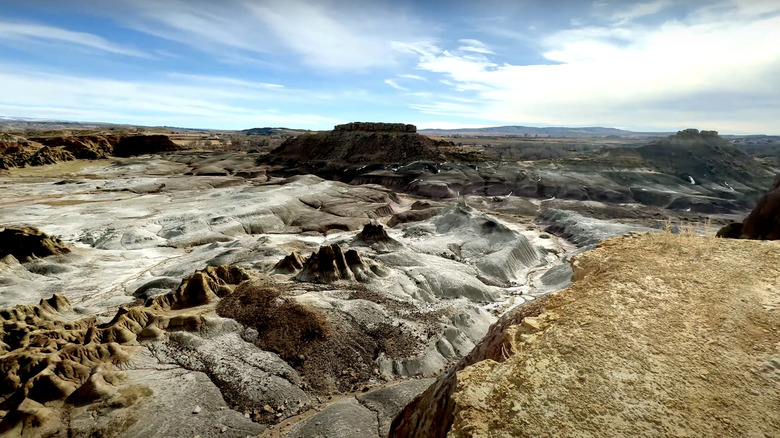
<point>283,325</point>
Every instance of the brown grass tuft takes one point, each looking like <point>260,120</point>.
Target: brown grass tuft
<point>283,326</point>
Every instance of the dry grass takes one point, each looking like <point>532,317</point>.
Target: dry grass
<point>283,326</point>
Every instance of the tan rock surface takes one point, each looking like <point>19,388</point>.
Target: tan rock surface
<point>660,335</point>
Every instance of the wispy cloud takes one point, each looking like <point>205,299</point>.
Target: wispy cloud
<point>475,46</point>
<point>182,99</point>
<point>317,33</point>
<point>223,82</point>
<point>410,76</point>
<point>623,15</point>
<point>394,84</point>
<point>14,32</point>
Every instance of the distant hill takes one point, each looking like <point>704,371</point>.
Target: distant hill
<point>705,156</point>
<point>21,124</point>
<point>274,131</point>
<point>546,132</point>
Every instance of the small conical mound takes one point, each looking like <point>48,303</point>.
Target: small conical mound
<point>289,263</point>
<point>327,265</point>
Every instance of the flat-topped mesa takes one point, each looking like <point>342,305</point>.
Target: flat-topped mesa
<point>375,127</point>
<point>693,133</point>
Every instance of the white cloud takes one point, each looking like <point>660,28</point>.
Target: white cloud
<point>475,46</point>
<point>723,70</point>
<point>410,76</point>
<point>638,10</point>
<point>330,35</point>
<point>225,81</point>
<point>395,85</point>
<point>198,101</point>
<point>26,32</point>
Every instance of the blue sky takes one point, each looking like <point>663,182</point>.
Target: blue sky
<point>234,64</point>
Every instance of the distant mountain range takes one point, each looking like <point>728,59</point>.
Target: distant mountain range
<point>546,132</point>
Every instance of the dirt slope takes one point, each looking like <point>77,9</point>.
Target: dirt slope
<point>660,336</point>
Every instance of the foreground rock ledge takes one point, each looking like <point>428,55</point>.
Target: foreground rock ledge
<point>660,335</point>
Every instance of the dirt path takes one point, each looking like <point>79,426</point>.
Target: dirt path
<point>660,336</point>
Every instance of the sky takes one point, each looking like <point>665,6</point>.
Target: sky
<point>657,65</point>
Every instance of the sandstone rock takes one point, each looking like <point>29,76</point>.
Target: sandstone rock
<point>202,287</point>
<point>763,223</point>
<point>90,147</point>
<point>431,413</point>
<point>25,243</point>
<point>375,236</point>
<point>375,127</point>
<point>522,382</point>
<point>373,233</point>
<point>327,265</point>
<point>144,144</point>
<point>49,155</point>
<point>290,263</point>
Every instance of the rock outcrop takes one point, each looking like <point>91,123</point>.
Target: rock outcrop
<point>44,357</point>
<point>144,144</point>
<point>651,319</point>
<point>290,263</point>
<point>329,264</point>
<point>703,156</point>
<point>202,287</point>
<point>49,155</point>
<point>375,127</point>
<point>25,243</point>
<point>89,147</point>
<point>355,145</point>
<point>376,236</point>
<point>38,151</point>
<point>431,413</point>
<point>763,223</point>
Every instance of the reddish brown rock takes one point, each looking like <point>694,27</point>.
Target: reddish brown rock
<point>144,144</point>
<point>763,223</point>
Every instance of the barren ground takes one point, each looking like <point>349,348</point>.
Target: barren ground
<point>660,335</point>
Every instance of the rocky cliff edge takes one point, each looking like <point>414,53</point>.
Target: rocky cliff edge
<point>660,335</point>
